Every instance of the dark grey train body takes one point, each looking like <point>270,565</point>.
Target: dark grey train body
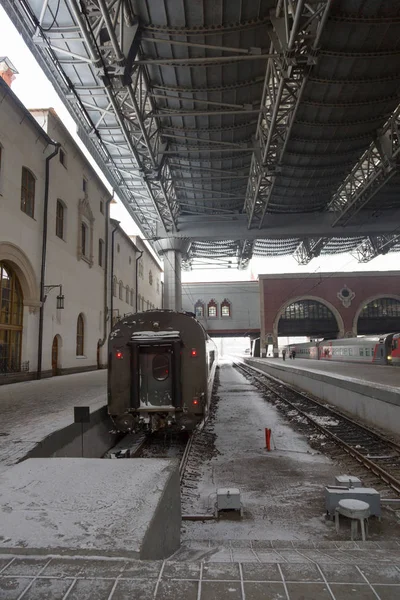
<point>161,368</point>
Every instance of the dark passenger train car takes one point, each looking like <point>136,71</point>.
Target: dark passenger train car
<point>161,367</point>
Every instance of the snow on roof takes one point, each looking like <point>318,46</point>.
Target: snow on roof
<point>154,334</point>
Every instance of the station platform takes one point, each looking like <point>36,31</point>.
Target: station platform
<point>370,392</point>
<point>32,411</point>
<point>204,570</point>
<point>387,377</point>
<point>283,548</point>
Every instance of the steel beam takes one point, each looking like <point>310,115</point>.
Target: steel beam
<point>375,245</point>
<point>105,42</point>
<point>295,34</point>
<point>285,226</point>
<point>308,249</point>
<point>378,164</point>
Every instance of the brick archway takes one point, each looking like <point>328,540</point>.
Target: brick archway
<point>368,301</point>
<point>328,305</point>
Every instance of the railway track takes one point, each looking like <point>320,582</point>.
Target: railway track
<point>374,451</point>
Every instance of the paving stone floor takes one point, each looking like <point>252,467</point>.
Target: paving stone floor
<point>237,571</point>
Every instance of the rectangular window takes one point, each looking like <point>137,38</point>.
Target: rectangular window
<point>102,207</point>
<point>212,311</point>
<point>84,185</point>
<point>83,239</point>
<point>27,192</point>
<point>62,158</point>
<point>350,351</point>
<point>361,351</point>
<point>366,351</point>
<point>101,252</point>
<point>60,220</point>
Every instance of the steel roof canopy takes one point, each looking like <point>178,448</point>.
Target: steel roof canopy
<point>213,110</point>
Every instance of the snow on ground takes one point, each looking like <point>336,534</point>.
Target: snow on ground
<point>32,410</point>
<point>80,503</point>
<point>282,490</point>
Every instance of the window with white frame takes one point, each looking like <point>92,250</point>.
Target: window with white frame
<point>212,309</point>
<point>226,310</point>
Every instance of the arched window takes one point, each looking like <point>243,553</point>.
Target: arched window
<point>121,290</point>
<point>199,309</point>
<point>80,336</point>
<point>132,297</point>
<point>212,309</point>
<point>226,308</point>
<point>60,214</point>
<point>150,278</point>
<point>127,294</point>
<point>381,314</point>
<point>308,317</point>
<point>115,285</point>
<point>140,267</point>
<point>28,192</point>
<point>11,315</point>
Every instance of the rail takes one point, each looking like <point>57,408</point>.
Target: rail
<point>350,435</point>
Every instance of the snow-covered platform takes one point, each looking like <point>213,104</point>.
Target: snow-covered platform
<point>371,392</point>
<point>37,418</point>
<point>93,506</point>
<point>205,570</point>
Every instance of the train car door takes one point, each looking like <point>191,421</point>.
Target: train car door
<point>156,376</point>
<point>380,353</point>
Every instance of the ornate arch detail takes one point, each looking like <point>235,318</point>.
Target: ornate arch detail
<point>226,308</point>
<point>328,305</point>
<point>212,309</point>
<point>25,272</point>
<point>85,210</point>
<point>368,301</point>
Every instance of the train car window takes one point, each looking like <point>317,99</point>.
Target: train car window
<point>350,351</point>
<point>366,351</point>
<point>361,351</point>
<point>160,367</point>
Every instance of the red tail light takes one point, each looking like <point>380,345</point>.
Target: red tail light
<point>119,354</point>
<point>195,401</point>
<point>193,352</point>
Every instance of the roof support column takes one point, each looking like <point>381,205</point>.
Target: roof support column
<point>172,250</point>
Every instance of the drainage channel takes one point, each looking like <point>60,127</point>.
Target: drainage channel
<point>374,451</point>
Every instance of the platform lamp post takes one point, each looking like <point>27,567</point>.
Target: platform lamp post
<point>60,297</point>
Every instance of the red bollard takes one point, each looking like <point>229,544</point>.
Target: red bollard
<point>268,438</point>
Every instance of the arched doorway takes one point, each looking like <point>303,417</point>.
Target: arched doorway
<point>378,315</point>
<point>11,320</point>
<point>308,317</point>
<point>54,356</point>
